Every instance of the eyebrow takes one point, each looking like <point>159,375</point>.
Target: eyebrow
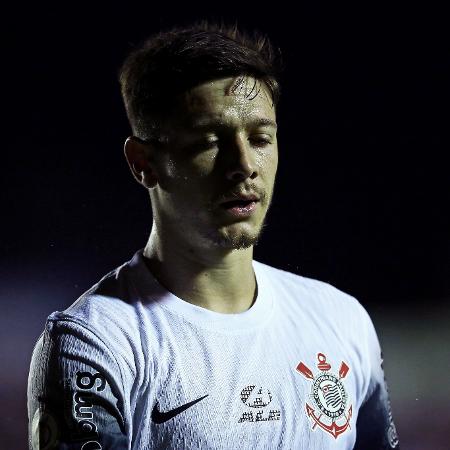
<point>203,124</point>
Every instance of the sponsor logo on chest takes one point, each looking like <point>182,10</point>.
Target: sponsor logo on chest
<point>257,399</point>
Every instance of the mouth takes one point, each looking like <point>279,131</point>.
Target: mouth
<point>240,208</point>
<point>237,203</point>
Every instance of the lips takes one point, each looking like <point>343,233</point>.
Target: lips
<point>233,203</point>
<point>239,209</point>
<point>241,200</point>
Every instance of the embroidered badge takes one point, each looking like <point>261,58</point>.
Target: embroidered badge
<point>328,397</point>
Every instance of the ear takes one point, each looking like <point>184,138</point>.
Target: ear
<point>138,155</point>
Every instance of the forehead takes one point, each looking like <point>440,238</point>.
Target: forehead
<point>227,101</point>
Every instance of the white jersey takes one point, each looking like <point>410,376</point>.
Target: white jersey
<point>131,366</point>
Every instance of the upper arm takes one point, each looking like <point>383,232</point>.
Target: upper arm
<point>76,396</point>
<point>375,428</point>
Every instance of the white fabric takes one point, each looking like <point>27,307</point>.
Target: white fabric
<point>139,344</point>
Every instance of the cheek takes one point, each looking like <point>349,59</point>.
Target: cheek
<point>172,169</point>
<point>201,164</point>
<point>171,176</point>
<point>175,172</point>
<point>187,179</point>
<point>267,163</point>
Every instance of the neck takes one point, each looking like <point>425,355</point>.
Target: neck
<point>218,279</point>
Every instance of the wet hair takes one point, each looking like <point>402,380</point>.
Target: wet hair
<point>171,62</point>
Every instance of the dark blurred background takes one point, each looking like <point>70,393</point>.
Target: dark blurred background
<point>361,199</point>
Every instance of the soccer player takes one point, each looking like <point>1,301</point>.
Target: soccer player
<point>193,344</point>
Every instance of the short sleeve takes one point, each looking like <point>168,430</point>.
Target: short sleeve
<point>75,392</point>
<point>375,428</point>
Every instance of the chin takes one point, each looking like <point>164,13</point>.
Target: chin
<point>234,244</point>
<point>234,239</point>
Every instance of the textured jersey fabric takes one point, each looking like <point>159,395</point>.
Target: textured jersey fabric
<point>131,366</point>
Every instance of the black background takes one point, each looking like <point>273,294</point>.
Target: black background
<point>362,191</point>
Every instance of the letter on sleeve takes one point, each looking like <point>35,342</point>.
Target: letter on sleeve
<point>75,393</point>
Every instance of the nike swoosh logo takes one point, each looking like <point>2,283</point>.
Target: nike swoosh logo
<point>161,417</point>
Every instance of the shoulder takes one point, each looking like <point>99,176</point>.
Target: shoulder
<point>304,289</point>
<point>105,317</point>
<point>109,301</point>
<point>310,298</point>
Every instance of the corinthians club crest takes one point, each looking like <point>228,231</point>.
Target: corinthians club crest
<point>328,397</point>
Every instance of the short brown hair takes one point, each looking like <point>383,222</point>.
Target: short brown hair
<point>174,61</point>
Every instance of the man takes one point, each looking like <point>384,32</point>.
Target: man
<point>192,344</point>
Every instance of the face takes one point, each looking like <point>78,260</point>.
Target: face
<point>221,142</point>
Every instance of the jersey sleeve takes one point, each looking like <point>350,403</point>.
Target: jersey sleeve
<point>375,428</point>
<point>76,398</point>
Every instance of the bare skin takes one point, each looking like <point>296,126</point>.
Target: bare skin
<point>220,141</point>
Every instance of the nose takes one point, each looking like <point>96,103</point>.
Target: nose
<point>241,163</point>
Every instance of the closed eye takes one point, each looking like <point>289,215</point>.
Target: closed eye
<point>260,140</point>
<point>209,144</point>
<point>204,144</point>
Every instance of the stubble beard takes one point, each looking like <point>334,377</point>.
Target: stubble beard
<point>234,240</point>
<point>239,241</point>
